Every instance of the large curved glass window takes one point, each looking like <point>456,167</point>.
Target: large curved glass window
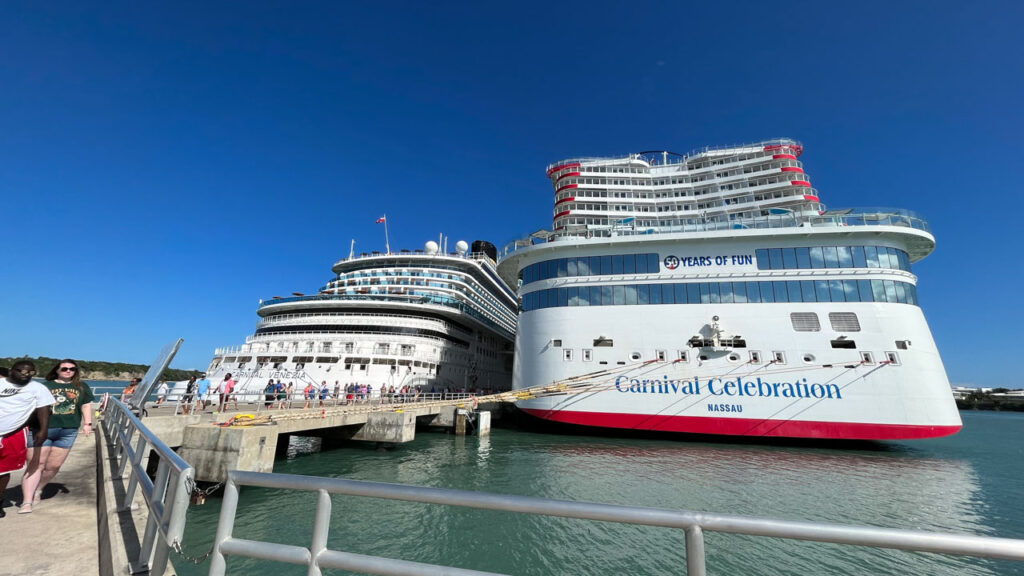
<point>724,293</point>
<point>648,263</point>
<point>832,257</point>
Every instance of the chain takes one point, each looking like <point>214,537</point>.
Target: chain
<point>176,546</point>
<point>196,493</point>
<point>197,496</point>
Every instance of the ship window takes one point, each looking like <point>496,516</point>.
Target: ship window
<point>556,343</point>
<point>805,322</point>
<point>634,356</point>
<point>779,357</point>
<point>803,258</point>
<point>567,354</point>
<point>844,344</point>
<point>902,344</point>
<point>683,356</point>
<point>892,358</point>
<point>734,357</point>
<point>844,321</point>
<point>588,354</point>
<point>817,257</point>
<point>602,362</point>
<point>755,357</point>
<point>789,258</point>
<point>808,358</point>
<point>661,355</point>
<point>867,358</point>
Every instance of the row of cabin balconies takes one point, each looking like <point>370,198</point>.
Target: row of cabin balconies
<point>350,320</point>
<point>770,200</point>
<point>777,179</point>
<point>655,180</point>
<point>408,286</point>
<point>413,280</point>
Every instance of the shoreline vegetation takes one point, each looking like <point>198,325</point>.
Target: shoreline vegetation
<point>97,370</point>
<point>997,400</point>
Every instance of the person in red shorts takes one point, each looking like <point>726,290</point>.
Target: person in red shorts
<point>23,403</point>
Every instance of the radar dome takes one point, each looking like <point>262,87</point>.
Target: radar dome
<point>430,247</point>
<point>461,247</point>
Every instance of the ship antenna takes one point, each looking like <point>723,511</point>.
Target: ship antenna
<point>352,249</point>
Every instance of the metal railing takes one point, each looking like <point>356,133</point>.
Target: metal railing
<point>258,401</point>
<point>861,217</point>
<point>166,497</point>
<point>318,556</point>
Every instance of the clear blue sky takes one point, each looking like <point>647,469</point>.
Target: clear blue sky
<point>164,167</point>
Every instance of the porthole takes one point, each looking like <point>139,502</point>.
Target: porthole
<point>734,357</point>
<point>634,356</point>
<point>808,358</point>
<point>703,357</point>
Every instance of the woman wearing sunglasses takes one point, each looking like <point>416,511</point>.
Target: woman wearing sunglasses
<point>73,409</point>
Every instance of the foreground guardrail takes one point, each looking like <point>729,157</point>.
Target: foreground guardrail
<point>317,556</point>
<point>166,497</point>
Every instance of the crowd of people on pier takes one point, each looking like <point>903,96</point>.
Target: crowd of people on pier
<point>39,422</point>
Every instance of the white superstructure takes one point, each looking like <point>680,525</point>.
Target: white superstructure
<point>409,318</point>
<point>712,293</point>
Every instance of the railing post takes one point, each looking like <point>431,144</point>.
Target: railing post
<point>125,432</point>
<point>321,527</point>
<point>140,451</point>
<point>225,525</point>
<point>695,563</point>
<point>149,538</point>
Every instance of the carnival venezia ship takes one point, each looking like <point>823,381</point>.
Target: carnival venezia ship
<point>713,293</point>
<point>412,318</point>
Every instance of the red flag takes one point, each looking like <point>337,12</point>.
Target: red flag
<point>380,220</point>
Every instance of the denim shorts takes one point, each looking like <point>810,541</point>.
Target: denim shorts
<point>60,437</point>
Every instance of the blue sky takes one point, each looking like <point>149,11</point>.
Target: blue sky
<point>163,167</point>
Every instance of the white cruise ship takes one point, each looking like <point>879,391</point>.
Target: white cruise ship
<point>712,293</point>
<point>410,318</point>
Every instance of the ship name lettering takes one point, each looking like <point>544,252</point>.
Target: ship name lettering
<point>725,407</point>
<point>737,387</point>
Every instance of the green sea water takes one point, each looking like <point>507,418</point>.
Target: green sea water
<point>967,483</point>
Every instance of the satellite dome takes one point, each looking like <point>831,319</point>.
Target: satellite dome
<point>430,247</point>
<point>461,247</point>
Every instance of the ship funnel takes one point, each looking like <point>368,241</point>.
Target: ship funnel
<point>486,248</point>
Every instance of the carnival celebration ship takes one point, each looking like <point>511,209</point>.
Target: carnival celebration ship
<point>410,318</point>
<point>712,293</point>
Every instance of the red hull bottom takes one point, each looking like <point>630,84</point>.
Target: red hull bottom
<point>746,426</point>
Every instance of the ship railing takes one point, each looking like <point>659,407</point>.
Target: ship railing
<point>166,495</point>
<point>318,555</point>
<point>835,218</point>
<point>678,158</point>
<point>481,256</point>
<point>257,401</point>
<point>427,297</point>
